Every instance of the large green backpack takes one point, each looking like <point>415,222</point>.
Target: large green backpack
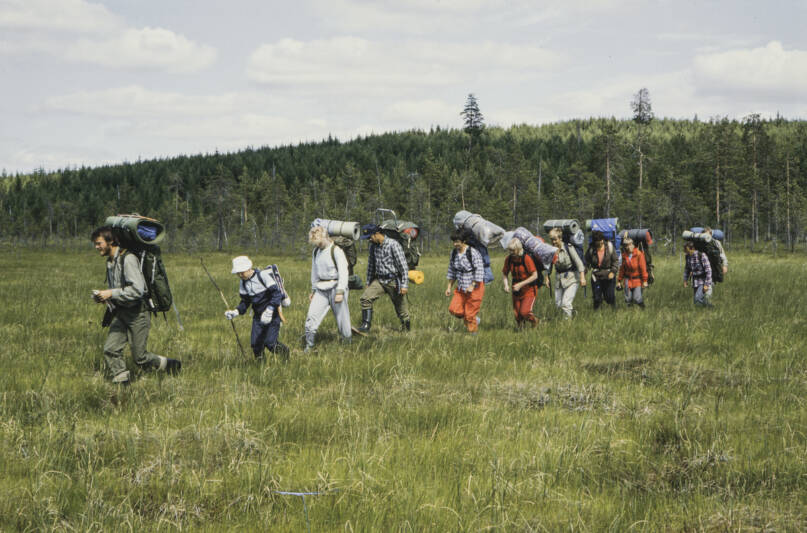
<point>139,236</point>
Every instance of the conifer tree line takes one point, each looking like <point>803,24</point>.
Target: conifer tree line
<point>747,177</point>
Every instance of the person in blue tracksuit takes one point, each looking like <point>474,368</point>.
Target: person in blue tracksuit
<point>259,290</point>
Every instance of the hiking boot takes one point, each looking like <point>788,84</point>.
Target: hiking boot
<point>122,378</point>
<point>366,320</point>
<point>173,366</point>
<point>308,341</point>
<point>406,325</point>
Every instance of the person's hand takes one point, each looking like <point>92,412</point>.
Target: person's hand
<point>506,287</point>
<point>310,296</point>
<point>546,282</point>
<point>644,284</point>
<point>706,288</point>
<point>231,314</point>
<point>619,285</point>
<point>338,298</point>
<point>267,316</point>
<point>583,280</point>
<point>448,292</point>
<point>725,269</point>
<point>610,275</point>
<point>102,296</point>
<point>517,286</point>
<point>686,284</point>
<point>403,291</point>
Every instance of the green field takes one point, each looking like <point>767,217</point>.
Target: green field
<point>675,419</point>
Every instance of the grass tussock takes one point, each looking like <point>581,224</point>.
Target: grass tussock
<point>671,419</point>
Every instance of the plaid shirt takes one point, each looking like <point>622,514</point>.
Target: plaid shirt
<point>697,266</point>
<point>464,272</point>
<point>387,262</point>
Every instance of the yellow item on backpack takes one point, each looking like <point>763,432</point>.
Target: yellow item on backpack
<point>416,276</point>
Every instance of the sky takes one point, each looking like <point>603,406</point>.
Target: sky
<point>101,82</point>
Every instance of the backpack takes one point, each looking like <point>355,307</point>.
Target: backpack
<point>278,279</point>
<point>405,233</point>
<point>713,253</point>
<point>139,236</point>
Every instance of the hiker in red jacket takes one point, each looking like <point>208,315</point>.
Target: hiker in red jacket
<point>634,270</point>
<point>524,273</point>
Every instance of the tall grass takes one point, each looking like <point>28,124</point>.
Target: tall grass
<point>675,418</point>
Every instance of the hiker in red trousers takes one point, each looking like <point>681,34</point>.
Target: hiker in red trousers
<point>524,273</point>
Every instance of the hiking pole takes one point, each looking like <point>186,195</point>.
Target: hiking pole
<point>225,304</point>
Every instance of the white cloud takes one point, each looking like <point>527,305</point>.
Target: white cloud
<point>145,48</point>
<point>420,113</point>
<point>85,32</point>
<point>770,71</point>
<point>76,16</point>
<point>360,63</point>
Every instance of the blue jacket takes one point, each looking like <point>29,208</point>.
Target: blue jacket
<point>260,291</point>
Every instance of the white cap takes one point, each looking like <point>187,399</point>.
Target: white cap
<point>241,264</point>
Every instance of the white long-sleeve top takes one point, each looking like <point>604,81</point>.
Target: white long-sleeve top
<point>327,273</point>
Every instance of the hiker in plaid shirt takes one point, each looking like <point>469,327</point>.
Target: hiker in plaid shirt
<point>467,270</point>
<point>387,272</point>
<point>698,268</point>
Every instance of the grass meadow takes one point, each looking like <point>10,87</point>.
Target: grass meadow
<point>672,419</point>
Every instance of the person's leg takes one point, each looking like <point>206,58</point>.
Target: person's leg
<point>597,293</point>
<point>373,291</point>
<point>341,313</point>
<point>525,304</point>
<point>558,295</point>
<point>628,295</point>
<point>113,351</point>
<point>609,292</point>
<point>472,306</point>
<point>638,297</point>
<point>567,299</point>
<point>457,305</point>
<point>271,342</point>
<point>516,300</point>
<point>139,331</point>
<point>400,303</point>
<point>317,309</point>
<point>258,337</point>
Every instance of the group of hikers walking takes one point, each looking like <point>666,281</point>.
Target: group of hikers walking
<point>528,266</point>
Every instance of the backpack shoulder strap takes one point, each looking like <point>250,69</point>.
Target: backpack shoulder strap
<point>258,272</point>
<point>469,256</point>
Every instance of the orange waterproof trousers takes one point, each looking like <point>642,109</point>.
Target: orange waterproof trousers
<point>522,305</point>
<point>466,305</point>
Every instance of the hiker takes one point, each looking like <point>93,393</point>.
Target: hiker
<point>387,272</point>
<point>571,274</point>
<point>466,269</point>
<point>329,287</point>
<point>524,273</point>
<point>603,262</point>
<point>259,289</point>
<point>634,269</point>
<point>723,259</point>
<point>125,302</point>
<point>698,269</point>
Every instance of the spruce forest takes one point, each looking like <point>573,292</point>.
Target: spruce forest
<point>747,177</point>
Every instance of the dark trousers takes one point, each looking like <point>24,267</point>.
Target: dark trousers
<point>265,336</point>
<point>604,290</point>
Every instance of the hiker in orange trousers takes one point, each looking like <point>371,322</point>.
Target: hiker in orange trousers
<point>467,270</point>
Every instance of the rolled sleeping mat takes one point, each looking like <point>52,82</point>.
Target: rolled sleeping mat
<point>416,276</point>
<point>639,235</point>
<point>143,229</point>
<point>569,226</point>
<point>692,236</point>
<point>716,233</point>
<point>484,231</point>
<point>340,228</point>
<point>507,236</point>
<point>536,246</point>
<point>578,238</point>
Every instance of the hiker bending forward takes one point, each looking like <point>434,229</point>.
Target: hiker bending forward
<point>571,273</point>
<point>329,290</point>
<point>603,262</point>
<point>524,273</point>
<point>258,289</point>
<point>387,272</point>
<point>467,269</point>
<point>634,270</point>
<point>125,301</point>
<point>698,269</point>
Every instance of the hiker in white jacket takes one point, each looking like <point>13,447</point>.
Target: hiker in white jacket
<point>329,273</point>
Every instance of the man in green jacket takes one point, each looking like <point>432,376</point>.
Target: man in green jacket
<point>125,301</point>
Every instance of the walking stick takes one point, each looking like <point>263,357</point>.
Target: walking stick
<point>225,304</point>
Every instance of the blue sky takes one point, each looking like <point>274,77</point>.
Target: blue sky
<point>95,82</point>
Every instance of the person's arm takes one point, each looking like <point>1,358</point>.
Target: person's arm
<point>314,276</point>
<point>708,269</point>
<point>341,269</point>
<point>614,261</point>
<point>245,299</point>
<point>371,263</point>
<point>402,268</point>
<point>479,267</point>
<point>578,264</point>
<point>643,270</point>
<point>505,272</point>
<point>134,284</point>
